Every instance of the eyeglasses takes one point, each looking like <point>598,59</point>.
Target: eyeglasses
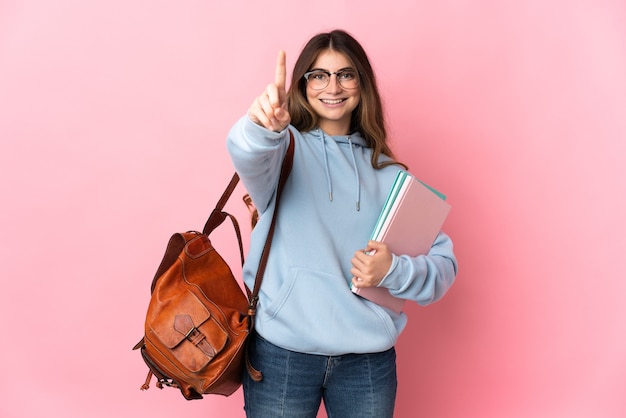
<point>319,79</point>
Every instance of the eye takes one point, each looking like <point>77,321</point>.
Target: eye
<point>319,75</point>
<point>347,75</point>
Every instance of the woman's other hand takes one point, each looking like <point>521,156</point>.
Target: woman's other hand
<point>369,266</point>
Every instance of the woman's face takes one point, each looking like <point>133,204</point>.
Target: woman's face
<point>333,104</point>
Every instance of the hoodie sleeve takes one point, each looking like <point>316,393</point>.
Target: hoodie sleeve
<point>257,154</point>
<point>425,278</point>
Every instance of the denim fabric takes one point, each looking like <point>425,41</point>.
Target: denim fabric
<point>294,384</point>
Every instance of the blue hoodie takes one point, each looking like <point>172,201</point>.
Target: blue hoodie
<point>328,209</point>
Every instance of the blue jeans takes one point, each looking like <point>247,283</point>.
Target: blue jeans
<point>293,385</point>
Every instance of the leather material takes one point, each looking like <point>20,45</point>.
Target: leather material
<point>199,317</point>
<point>197,322</point>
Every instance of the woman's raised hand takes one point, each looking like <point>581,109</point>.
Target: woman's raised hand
<point>270,108</point>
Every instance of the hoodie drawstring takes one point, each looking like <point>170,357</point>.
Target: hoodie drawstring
<point>330,185</point>
<point>356,172</point>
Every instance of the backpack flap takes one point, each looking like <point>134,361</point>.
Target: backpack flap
<point>187,329</point>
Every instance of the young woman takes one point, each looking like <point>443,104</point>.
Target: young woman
<point>315,339</point>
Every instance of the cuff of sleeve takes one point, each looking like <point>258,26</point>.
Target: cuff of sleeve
<point>387,281</point>
<point>261,135</point>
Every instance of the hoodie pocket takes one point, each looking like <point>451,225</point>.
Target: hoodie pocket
<point>313,305</point>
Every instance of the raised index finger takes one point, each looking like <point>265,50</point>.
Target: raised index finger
<point>281,71</point>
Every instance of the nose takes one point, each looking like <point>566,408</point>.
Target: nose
<point>333,84</point>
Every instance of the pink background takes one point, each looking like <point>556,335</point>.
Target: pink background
<point>113,117</point>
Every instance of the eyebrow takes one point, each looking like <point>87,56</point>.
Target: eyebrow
<point>324,69</point>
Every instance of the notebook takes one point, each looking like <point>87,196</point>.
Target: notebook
<point>409,223</point>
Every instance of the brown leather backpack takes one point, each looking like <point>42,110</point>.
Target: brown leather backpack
<point>199,318</point>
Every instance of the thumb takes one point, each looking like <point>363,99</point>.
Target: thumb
<point>374,245</point>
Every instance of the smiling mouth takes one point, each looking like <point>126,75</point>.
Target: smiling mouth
<point>332,101</point>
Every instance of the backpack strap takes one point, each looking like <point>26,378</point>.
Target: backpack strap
<point>218,216</point>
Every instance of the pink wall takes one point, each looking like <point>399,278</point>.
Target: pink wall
<point>112,113</point>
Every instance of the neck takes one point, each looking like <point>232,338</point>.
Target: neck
<point>335,128</point>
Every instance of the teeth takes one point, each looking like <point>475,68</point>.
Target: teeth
<point>328,101</point>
